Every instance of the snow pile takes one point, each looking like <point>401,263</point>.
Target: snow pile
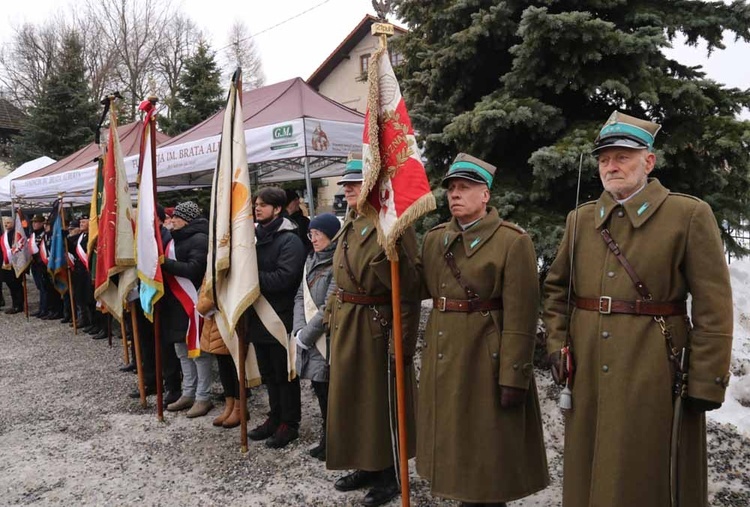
<point>736,408</point>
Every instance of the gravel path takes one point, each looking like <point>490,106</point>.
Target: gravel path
<point>69,435</point>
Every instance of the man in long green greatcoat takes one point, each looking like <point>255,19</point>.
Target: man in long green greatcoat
<point>358,432</point>
<point>479,430</point>
<point>627,336</point>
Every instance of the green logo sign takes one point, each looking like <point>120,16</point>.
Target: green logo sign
<point>283,132</point>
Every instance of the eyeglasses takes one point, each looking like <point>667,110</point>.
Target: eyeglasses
<point>315,234</point>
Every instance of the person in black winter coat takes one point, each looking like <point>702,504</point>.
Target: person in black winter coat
<point>190,243</point>
<point>281,258</point>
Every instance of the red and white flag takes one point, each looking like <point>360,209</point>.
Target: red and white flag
<point>395,191</point>
<point>20,256</point>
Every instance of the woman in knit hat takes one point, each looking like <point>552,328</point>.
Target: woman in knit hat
<point>309,307</point>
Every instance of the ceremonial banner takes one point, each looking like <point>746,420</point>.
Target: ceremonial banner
<point>115,245</point>
<point>149,254</point>
<point>20,255</point>
<point>94,211</point>
<point>395,191</point>
<point>57,260</point>
<point>232,274</point>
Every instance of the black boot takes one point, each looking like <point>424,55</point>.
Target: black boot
<point>385,489</point>
<point>319,451</point>
<point>356,480</point>
<point>283,435</point>
<point>264,431</point>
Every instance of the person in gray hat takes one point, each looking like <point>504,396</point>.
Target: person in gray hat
<point>485,448</point>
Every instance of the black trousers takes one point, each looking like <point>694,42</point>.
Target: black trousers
<point>38,271</point>
<point>321,392</point>
<point>170,364</point>
<point>284,396</point>
<point>15,286</point>
<point>228,376</point>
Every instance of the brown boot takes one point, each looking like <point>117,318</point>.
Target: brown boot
<point>228,407</point>
<point>234,418</point>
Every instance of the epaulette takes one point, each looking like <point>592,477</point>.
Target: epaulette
<point>586,204</point>
<point>439,226</point>
<point>685,195</point>
<point>511,225</point>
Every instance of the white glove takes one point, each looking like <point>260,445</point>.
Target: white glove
<point>299,342</point>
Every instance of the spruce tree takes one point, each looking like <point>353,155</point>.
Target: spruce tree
<point>527,85</point>
<point>199,94</point>
<point>64,118</point>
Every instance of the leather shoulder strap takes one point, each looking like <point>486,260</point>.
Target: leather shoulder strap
<point>615,249</point>
<point>451,261</point>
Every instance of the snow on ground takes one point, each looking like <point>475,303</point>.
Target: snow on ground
<point>736,408</point>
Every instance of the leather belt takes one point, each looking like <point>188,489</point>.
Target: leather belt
<point>361,299</point>
<point>466,305</point>
<point>606,305</point>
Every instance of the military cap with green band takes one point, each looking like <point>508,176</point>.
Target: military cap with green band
<point>470,168</point>
<point>353,169</point>
<point>624,131</point>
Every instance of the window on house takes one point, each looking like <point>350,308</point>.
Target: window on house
<point>364,62</point>
<point>396,59</point>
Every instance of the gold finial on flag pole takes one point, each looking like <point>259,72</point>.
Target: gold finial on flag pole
<point>382,28</point>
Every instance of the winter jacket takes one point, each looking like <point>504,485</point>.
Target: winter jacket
<point>281,258</point>
<point>190,250</point>
<point>310,363</point>
<point>211,340</point>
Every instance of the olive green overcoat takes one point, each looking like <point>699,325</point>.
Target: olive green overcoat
<point>358,428</point>
<point>468,447</point>
<point>617,437</point>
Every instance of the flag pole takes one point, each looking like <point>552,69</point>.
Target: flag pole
<point>243,386</point>
<point>398,345</point>
<point>67,271</point>
<point>123,331</point>
<point>157,360</point>
<point>137,341</point>
<point>383,29</point>
<point>109,329</point>
<point>25,297</point>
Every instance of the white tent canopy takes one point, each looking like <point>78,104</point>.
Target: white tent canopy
<point>291,131</point>
<point>22,170</point>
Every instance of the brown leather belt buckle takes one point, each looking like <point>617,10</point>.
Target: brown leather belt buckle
<point>605,305</point>
<point>441,304</point>
<point>340,295</point>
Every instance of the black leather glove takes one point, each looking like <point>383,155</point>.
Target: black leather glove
<point>699,405</point>
<point>511,396</point>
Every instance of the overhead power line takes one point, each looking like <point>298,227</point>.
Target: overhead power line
<point>287,20</point>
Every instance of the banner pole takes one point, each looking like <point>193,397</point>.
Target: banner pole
<point>73,316</point>
<point>157,360</point>
<point>137,342</point>
<point>400,381</point>
<point>243,386</point>
<point>123,331</point>
<point>25,298</point>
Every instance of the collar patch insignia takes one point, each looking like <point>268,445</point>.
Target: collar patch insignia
<point>643,208</point>
<point>475,242</point>
<point>601,212</point>
<point>364,231</point>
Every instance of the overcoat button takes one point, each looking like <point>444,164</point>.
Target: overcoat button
<point>494,355</point>
<point>620,213</point>
<point>341,266</point>
<point>515,366</point>
<point>611,274</point>
<point>440,333</point>
<point>605,368</point>
<point>440,356</point>
<point>336,327</point>
<point>442,285</point>
<point>717,380</point>
<point>605,334</point>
